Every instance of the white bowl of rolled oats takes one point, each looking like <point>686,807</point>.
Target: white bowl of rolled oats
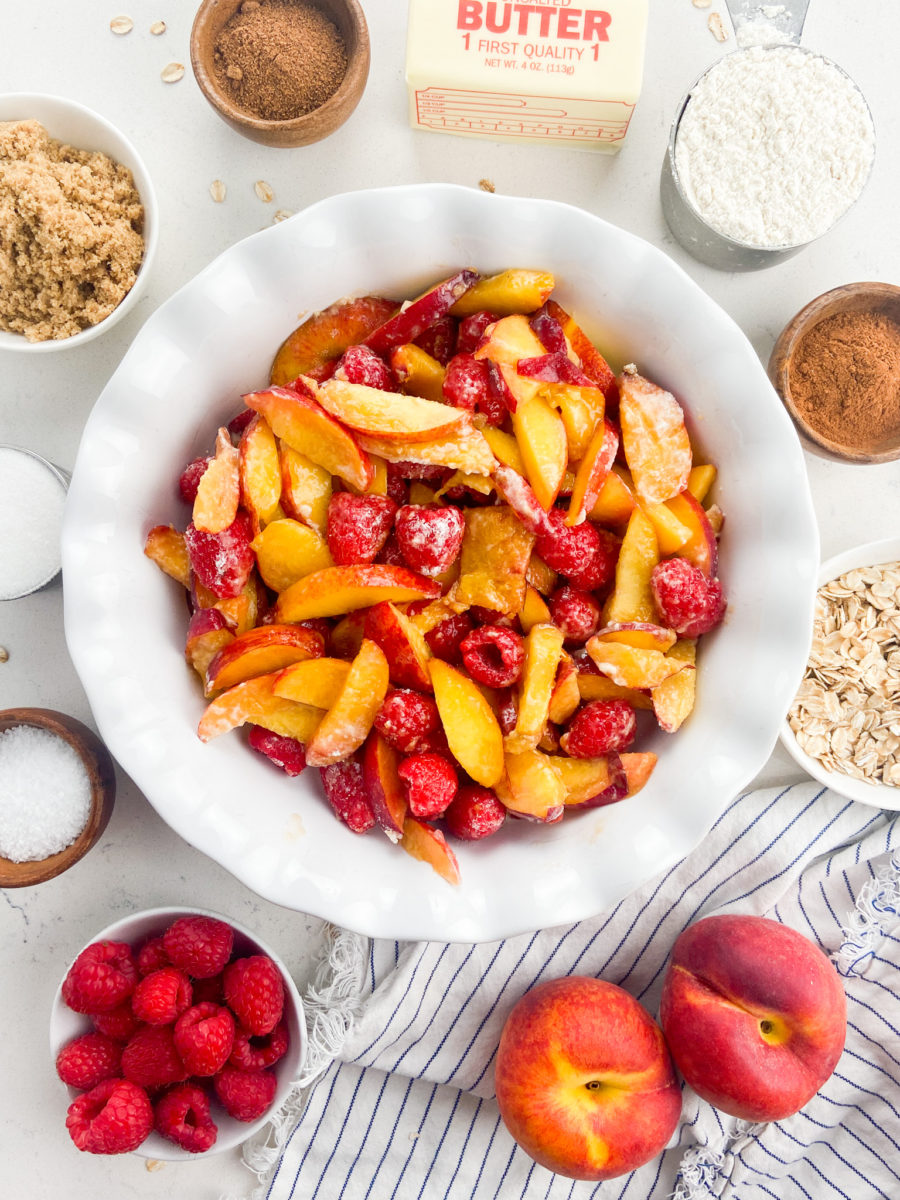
<point>844,725</point>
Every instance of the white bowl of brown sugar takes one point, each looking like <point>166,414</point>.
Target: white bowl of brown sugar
<point>83,221</point>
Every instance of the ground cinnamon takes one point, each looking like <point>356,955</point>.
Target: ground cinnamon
<point>845,379</point>
<point>279,59</point>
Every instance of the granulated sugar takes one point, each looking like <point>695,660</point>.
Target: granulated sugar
<point>31,500</point>
<point>45,794</point>
<point>774,146</point>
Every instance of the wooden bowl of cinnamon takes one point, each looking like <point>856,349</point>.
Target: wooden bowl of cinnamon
<point>836,366</point>
<point>281,72</point>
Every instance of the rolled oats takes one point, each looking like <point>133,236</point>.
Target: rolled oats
<point>263,191</point>
<point>217,190</point>
<point>121,25</point>
<point>172,72</point>
<point>157,28</point>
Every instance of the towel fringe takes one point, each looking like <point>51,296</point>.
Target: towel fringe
<point>877,907</point>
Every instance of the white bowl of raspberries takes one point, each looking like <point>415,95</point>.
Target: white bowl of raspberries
<point>177,1032</point>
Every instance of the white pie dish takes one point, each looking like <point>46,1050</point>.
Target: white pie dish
<point>184,375</point>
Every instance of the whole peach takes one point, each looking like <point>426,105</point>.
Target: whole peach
<point>754,1014</point>
<point>584,1081</point>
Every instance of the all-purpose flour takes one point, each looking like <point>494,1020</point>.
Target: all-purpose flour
<point>773,146</point>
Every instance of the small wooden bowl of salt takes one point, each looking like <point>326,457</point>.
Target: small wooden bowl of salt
<point>57,790</point>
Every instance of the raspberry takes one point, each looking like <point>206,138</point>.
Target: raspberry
<point>238,424</point>
<point>586,555</point>
<point>430,536</point>
<point>490,616</point>
<point>190,477</point>
<point>222,561</point>
<point>436,743</point>
<point>101,977</point>
<point>499,399</point>
<point>396,485</point>
<point>201,946</point>
<point>601,727</point>
<point>204,1036</point>
<point>361,365</point>
<point>181,1115</point>
<point>466,382</point>
<point>245,1095</point>
<point>391,553</point>
<point>150,1058</point>
<point>471,330</point>
<point>152,955</point>
<point>508,710</point>
<point>254,991</point>
<point>112,1118</point>
<point>439,340</point>
<point>576,613</point>
<point>358,526</point>
<point>284,752</point>
<point>251,1053</point>
<point>405,719</point>
<point>445,639</point>
<point>429,781</point>
<point>493,655</point>
<point>474,813</point>
<point>344,790</point>
<point>161,997</point>
<point>428,473</point>
<point>88,1060</point>
<point>119,1024</point>
<point>688,602</point>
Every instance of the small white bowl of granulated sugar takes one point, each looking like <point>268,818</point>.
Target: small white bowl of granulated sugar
<point>78,204</point>
<point>57,789</point>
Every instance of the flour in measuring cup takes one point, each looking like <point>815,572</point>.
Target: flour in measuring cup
<point>774,145</point>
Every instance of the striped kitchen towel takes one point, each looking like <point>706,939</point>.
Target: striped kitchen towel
<point>404,1034</point>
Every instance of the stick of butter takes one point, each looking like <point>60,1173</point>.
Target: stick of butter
<point>559,72</point>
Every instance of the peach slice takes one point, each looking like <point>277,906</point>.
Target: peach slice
<point>414,318</point>
<point>701,480</point>
<point>473,733</point>
<point>592,782</point>
<point>315,681</point>
<point>505,447</point>
<point>219,490</point>
<point>403,644</point>
<point>509,340</point>
<point>642,634</point>
<point>581,409</point>
<point>543,649</point>
<point>383,786</point>
<point>638,768</point>
<point>305,488</point>
<point>671,534</point>
<point>630,666</point>
<point>287,551</point>
<point>615,503</point>
<point>566,696</point>
<point>593,473</point>
<point>532,786</point>
<point>422,841</point>
<point>654,438</point>
<point>534,610</point>
<point>467,451</point>
<point>673,699</point>
<point>255,701</point>
<point>323,337</point>
<point>482,484</point>
<point>300,420</point>
<point>540,576</point>
<point>598,687</point>
<point>632,598</point>
<point>701,548</point>
<point>166,547</point>
<point>347,724</point>
<point>393,416</point>
<point>516,290</point>
<point>418,373</point>
<point>592,361</point>
<point>260,651</point>
<point>541,436</point>
<point>207,634</point>
<point>260,471</point>
<point>495,552</point>
<point>337,590</point>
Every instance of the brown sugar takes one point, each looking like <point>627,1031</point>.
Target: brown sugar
<point>279,59</point>
<point>71,243</point>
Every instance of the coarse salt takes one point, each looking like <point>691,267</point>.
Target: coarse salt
<point>774,145</point>
<point>45,794</point>
<point>32,499</point>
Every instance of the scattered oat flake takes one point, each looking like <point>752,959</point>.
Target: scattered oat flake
<point>121,25</point>
<point>283,214</point>
<point>486,185</point>
<point>153,1164</point>
<point>702,3</point>
<point>4,654</point>
<point>172,73</point>
<point>157,28</point>
<point>263,191</point>
<point>717,27</point>
<point>217,190</point>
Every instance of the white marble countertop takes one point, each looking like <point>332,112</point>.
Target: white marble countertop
<point>67,49</point>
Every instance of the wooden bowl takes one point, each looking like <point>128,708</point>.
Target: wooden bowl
<point>850,298</point>
<point>99,765</point>
<point>347,15</point>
